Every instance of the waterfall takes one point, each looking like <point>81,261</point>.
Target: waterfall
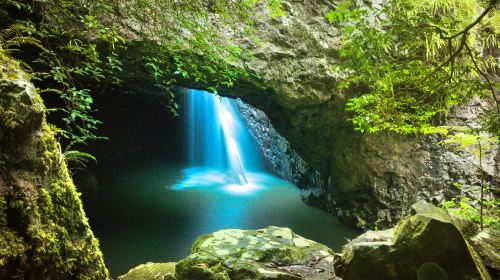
<point>218,139</point>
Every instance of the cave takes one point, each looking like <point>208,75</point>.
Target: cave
<point>228,140</point>
<point>162,180</point>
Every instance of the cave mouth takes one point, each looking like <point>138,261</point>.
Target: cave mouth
<point>162,181</point>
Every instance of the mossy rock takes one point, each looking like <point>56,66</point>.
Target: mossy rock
<point>430,235</point>
<point>250,254</point>
<point>44,233</point>
<point>270,253</point>
<point>153,271</point>
<point>487,245</point>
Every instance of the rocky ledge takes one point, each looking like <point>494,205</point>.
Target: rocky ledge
<point>428,245</point>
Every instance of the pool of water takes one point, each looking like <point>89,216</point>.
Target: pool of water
<point>153,212</point>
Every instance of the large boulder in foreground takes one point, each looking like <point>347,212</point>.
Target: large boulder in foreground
<point>430,244</point>
<point>270,253</point>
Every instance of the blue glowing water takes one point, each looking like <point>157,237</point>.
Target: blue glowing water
<point>221,150</point>
<point>153,211</point>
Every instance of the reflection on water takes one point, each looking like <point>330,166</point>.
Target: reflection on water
<point>155,211</point>
<point>218,181</point>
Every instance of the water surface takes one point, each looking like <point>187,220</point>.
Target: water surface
<point>153,211</point>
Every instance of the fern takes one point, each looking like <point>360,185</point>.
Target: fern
<point>78,157</point>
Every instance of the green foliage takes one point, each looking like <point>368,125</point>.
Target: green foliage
<point>473,142</point>
<point>467,208</point>
<point>476,143</point>
<point>413,60</point>
<point>276,8</point>
<point>78,157</point>
<point>80,43</point>
<point>65,59</point>
<point>188,44</point>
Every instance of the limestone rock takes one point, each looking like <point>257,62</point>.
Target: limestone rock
<point>430,243</point>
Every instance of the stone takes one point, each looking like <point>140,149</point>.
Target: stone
<point>366,179</point>
<point>487,245</point>
<point>269,253</point>
<point>153,271</point>
<point>431,271</point>
<point>430,244</point>
<point>44,233</point>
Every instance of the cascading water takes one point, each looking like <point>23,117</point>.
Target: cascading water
<point>164,206</point>
<point>220,147</point>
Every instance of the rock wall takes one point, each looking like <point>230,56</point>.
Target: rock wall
<point>44,233</point>
<point>366,179</point>
<point>283,160</point>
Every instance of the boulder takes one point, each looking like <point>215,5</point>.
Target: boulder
<point>270,253</point>
<point>430,244</point>
<point>487,245</point>
<point>153,271</point>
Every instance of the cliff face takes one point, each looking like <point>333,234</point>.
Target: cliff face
<point>364,178</point>
<point>44,233</point>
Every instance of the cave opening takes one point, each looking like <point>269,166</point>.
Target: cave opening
<point>161,181</point>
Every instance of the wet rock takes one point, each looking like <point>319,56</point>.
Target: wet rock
<point>430,244</point>
<point>283,160</point>
<point>153,271</point>
<point>270,253</point>
<point>365,179</point>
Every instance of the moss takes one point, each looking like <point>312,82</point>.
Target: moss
<point>152,271</point>
<point>44,231</point>
<point>429,235</point>
<point>201,266</point>
<point>243,254</point>
<point>198,242</point>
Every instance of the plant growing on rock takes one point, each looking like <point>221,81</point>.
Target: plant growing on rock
<point>413,62</point>
<point>489,206</point>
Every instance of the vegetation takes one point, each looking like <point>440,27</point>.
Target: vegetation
<point>413,62</point>
<point>410,61</point>
<point>44,233</point>
<point>76,47</point>
<point>416,60</point>
<point>49,37</point>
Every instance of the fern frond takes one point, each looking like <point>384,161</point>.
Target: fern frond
<point>22,40</point>
<point>74,155</point>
